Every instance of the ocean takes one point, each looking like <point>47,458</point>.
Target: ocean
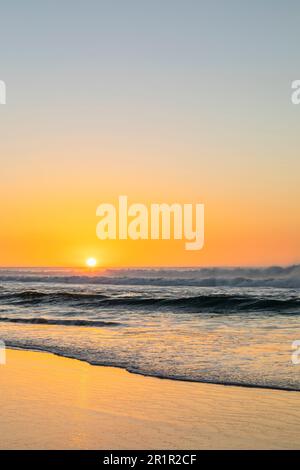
<point>232,326</point>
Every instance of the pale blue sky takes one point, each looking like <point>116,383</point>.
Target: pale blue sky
<point>123,66</point>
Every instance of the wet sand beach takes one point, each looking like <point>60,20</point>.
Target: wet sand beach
<point>50,402</point>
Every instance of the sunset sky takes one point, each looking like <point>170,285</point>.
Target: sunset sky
<point>163,101</point>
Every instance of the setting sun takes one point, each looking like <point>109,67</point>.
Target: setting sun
<point>91,262</point>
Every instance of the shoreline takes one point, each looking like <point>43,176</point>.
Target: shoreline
<point>160,377</point>
<point>53,402</point>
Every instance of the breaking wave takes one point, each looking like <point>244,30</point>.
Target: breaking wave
<point>275,276</point>
<point>224,303</point>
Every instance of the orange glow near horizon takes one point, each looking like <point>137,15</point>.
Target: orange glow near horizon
<point>233,239</point>
<point>49,215</point>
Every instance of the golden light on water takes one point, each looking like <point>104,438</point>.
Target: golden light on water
<point>91,262</point>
